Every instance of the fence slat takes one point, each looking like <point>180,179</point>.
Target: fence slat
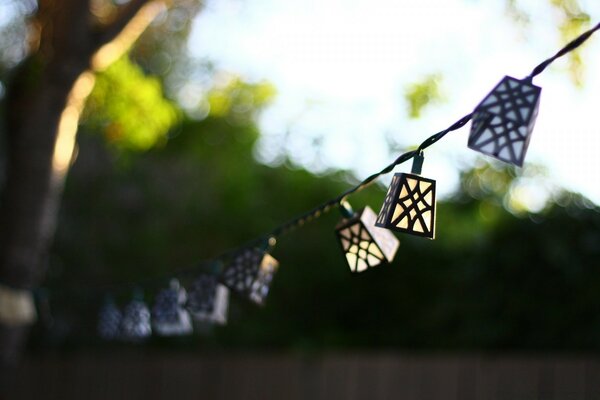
<point>280,376</point>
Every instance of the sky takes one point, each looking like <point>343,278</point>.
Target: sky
<point>341,69</point>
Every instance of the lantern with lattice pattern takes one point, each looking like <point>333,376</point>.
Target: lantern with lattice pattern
<point>250,273</point>
<point>169,317</point>
<point>364,244</point>
<point>135,324</point>
<point>409,205</point>
<point>208,300</point>
<point>503,121</point>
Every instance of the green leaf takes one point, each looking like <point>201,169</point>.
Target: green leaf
<point>129,107</point>
<point>420,94</point>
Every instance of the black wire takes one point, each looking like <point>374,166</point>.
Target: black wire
<point>326,206</point>
<point>572,45</point>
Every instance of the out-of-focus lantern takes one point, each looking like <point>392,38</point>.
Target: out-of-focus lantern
<point>109,320</point>
<point>135,325</point>
<point>169,317</point>
<point>250,273</point>
<point>503,121</point>
<point>208,300</point>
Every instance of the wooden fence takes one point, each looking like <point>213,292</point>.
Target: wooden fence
<point>290,377</point>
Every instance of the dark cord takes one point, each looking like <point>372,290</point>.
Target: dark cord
<point>326,206</point>
<point>572,45</point>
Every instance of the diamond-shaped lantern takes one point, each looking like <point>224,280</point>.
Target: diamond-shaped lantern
<point>208,300</point>
<point>109,320</point>
<point>250,274</point>
<point>503,121</point>
<point>364,244</point>
<point>169,317</point>
<point>135,325</point>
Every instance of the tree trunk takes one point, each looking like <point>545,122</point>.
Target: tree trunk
<point>31,195</point>
<point>35,102</point>
<point>39,109</point>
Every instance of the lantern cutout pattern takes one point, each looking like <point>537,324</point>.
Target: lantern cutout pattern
<point>363,244</point>
<point>208,300</point>
<point>169,317</point>
<point>135,325</point>
<point>109,321</point>
<point>250,274</point>
<point>409,206</point>
<point>503,121</point>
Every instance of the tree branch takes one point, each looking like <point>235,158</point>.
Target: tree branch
<point>126,32</point>
<point>126,14</point>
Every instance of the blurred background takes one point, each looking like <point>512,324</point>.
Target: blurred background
<point>215,121</point>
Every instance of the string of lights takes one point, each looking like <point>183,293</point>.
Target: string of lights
<point>501,128</point>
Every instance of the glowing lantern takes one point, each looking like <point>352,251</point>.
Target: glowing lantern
<point>503,121</point>
<point>409,205</point>
<point>364,244</point>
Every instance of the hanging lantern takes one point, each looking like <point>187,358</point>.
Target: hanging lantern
<point>208,300</point>
<point>169,317</point>
<point>364,244</point>
<point>503,121</point>
<point>250,274</point>
<point>135,325</point>
<point>109,320</point>
<point>409,205</point>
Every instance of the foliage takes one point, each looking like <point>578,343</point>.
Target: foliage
<point>237,100</point>
<point>14,32</point>
<point>573,21</point>
<point>423,93</point>
<point>129,108</point>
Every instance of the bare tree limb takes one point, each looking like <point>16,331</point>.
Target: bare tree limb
<point>129,33</point>
<point>111,31</point>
